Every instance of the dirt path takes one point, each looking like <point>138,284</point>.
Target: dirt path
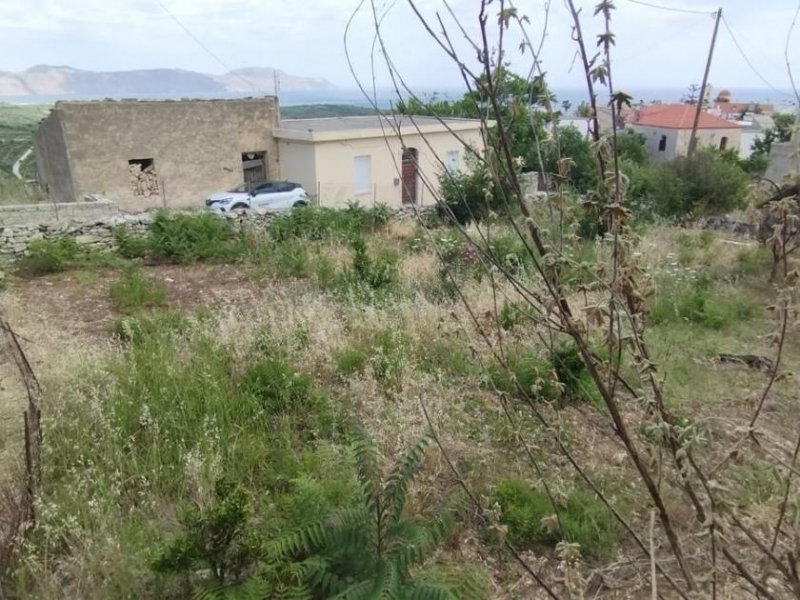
<point>16,168</point>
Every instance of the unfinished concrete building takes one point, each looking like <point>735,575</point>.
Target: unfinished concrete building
<point>146,154</point>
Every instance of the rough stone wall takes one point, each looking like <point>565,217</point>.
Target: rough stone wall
<point>196,147</point>
<point>98,232</point>
<point>47,213</point>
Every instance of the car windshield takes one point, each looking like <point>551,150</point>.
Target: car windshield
<point>245,187</point>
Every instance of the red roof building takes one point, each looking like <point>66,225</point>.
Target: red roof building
<point>677,116</point>
<point>667,130</point>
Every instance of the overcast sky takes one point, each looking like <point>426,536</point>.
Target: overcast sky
<point>655,48</point>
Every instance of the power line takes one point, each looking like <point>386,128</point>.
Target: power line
<point>200,43</point>
<point>687,11</point>
<point>749,62</point>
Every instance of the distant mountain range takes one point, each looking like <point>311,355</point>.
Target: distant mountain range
<point>46,80</point>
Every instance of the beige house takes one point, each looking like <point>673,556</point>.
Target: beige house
<point>668,129</point>
<point>393,160</point>
<point>145,154</point>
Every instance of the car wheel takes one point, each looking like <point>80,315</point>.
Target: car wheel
<point>300,203</point>
<point>240,208</point>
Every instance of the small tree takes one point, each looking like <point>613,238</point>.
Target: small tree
<point>368,551</point>
<point>574,146</point>
<point>702,184</point>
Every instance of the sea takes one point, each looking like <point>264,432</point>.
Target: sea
<point>384,97</point>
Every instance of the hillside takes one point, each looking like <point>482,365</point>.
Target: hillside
<point>64,80</point>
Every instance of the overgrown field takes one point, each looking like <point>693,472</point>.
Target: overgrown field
<point>235,413</point>
<point>17,124</point>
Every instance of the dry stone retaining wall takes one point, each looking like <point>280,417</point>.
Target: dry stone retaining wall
<point>97,229</point>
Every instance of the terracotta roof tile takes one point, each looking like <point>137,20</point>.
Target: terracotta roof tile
<point>678,116</point>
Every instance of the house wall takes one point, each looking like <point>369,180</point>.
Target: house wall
<point>196,146</point>
<point>653,137</point>
<point>298,164</point>
<point>709,138</point>
<point>52,160</point>
<point>334,165</point>
<point>678,139</point>
<point>748,138</point>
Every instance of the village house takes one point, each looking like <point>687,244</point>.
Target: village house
<point>668,127</point>
<point>145,154</point>
<point>394,160</point>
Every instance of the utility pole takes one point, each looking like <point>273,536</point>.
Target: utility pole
<point>693,137</point>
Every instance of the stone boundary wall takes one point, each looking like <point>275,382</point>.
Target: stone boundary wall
<point>98,232</point>
<point>50,213</point>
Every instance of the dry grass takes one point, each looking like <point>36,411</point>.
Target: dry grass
<point>311,327</point>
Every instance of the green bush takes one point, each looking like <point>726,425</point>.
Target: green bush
<point>278,387</point>
<point>217,537</point>
<point>581,518</point>
<point>49,256</point>
<point>559,375</point>
<point>187,237</point>
<point>134,291</point>
<point>328,223</point>
<point>705,183</point>
<point>574,148</point>
<point>467,197</point>
<point>369,277</point>
<point>129,245</point>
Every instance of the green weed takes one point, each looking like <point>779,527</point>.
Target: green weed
<point>128,244</point>
<point>134,291</point>
<point>695,301</point>
<point>188,238</point>
<point>579,518</point>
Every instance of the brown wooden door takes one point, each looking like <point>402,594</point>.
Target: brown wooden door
<point>410,175</point>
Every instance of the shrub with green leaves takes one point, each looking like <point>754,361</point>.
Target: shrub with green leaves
<point>580,517</point>
<point>558,375</point>
<point>314,223</point>
<point>369,277</point>
<point>134,291</point>
<point>278,387</point>
<point>49,256</point>
<point>193,237</point>
<point>373,548</point>
<point>218,537</point>
<point>129,244</point>
<point>705,183</point>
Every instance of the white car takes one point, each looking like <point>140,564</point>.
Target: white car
<point>265,196</point>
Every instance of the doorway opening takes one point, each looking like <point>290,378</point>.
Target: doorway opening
<point>254,166</point>
<point>410,174</point>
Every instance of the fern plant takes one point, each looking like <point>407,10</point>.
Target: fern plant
<point>370,551</point>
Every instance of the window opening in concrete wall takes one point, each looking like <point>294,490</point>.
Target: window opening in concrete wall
<point>143,177</point>
<point>451,161</point>
<point>362,174</point>
<point>254,166</point>
<point>723,143</point>
<point>662,143</point>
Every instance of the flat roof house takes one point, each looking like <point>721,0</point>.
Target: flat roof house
<point>375,159</point>
<point>668,128</point>
<point>151,153</point>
